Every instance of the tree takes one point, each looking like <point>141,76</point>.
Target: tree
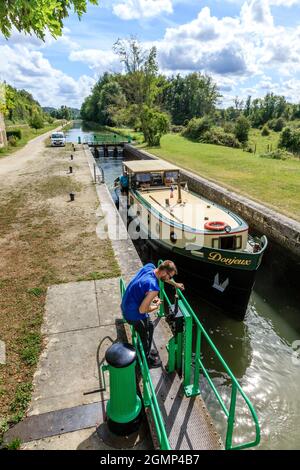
<point>111,103</point>
<point>242,128</point>
<point>290,140</point>
<point>154,125</point>
<point>36,122</point>
<point>35,17</point>
<point>192,96</point>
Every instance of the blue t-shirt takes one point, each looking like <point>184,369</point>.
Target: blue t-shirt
<point>124,181</point>
<point>144,281</point>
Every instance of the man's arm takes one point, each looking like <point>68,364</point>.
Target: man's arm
<point>145,305</point>
<point>177,285</point>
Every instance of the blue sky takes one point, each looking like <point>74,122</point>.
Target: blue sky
<point>248,46</point>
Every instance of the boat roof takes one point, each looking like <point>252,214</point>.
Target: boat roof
<point>143,166</point>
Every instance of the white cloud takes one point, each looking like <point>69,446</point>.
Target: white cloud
<point>136,9</point>
<point>99,61</point>
<point>24,68</point>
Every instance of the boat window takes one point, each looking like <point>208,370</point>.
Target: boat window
<point>171,177</point>
<point>238,242</point>
<point>227,243</point>
<point>143,177</point>
<point>156,179</point>
<point>215,243</point>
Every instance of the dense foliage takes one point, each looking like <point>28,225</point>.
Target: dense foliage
<point>38,16</point>
<point>21,107</point>
<point>195,95</point>
<point>64,112</point>
<point>290,140</point>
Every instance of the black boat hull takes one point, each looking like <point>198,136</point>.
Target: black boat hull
<point>226,288</point>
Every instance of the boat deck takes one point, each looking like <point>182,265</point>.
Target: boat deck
<point>192,212</point>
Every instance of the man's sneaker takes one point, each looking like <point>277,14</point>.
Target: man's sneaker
<point>153,353</point>
<point>154,362</point>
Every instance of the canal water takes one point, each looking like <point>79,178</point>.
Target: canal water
<point>261,350</point>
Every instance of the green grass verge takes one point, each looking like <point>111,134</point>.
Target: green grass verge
<point>273,182</point>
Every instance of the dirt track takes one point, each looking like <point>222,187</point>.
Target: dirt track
<point>19,159</point>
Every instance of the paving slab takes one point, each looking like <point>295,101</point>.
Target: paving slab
<point>108,300</point>
<point>68,368</point>
<point>70,306</point>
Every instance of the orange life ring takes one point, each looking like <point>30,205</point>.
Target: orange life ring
<point>216,226</point>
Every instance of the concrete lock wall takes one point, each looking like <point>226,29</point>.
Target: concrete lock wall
<point>277,227</point>
<point>3,140</point>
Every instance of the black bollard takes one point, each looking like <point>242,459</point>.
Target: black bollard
<point>72,197</point>
<point>71,169</point>
<point>71,157</point>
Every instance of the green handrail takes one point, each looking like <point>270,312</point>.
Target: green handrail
<point>149,396</point>
<point>193,389</point>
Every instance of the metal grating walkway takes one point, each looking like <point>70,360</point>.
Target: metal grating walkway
<point>188,423</point>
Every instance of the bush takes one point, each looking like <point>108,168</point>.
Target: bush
<point>17,133</point>
<point>154,125</point>
<point>12,141</point>
<point>228,128</point>
<point>290,140</point>
<point>265,131</point>
<point>177,129</point>
<point>277,155</point>
<point>241,130</point>
<point>277,124</point>
<point>218,137</point>
<point>196,127</point>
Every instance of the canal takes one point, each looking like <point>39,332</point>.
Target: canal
<point>260,350</point>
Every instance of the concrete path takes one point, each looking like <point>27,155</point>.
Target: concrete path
<point>80,316</point>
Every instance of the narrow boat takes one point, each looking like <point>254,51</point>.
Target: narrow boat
<point>209,241</point>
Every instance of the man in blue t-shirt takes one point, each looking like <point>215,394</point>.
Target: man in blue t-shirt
<point>141,292</point>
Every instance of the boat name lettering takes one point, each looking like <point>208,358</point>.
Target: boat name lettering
<point>213,256</point>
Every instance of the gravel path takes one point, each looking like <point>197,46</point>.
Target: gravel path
<point>18,160</point>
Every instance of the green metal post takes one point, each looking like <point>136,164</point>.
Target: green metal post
<point>79,139</point>
<point>188,336</point>
<point>124,405</point>
<point>179,342</point>
<point>196,389</point>
<point>161,296</point>
<point>228,443</point>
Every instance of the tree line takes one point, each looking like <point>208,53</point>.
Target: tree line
<point>146,100</point>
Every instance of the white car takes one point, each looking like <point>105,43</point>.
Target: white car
<point>58,139</point>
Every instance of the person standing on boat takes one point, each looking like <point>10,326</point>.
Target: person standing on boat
<point>141,299</point>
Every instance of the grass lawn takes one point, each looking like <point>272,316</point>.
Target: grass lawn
<point>27,134</point>
<point>275,183</point>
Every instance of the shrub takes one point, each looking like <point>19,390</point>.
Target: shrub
<point>290,140</point>
<point>218,137</point>
<point>177,129</point>
<point>277,155</point>
<point>241,130</point>
<point>17,133</point>
<point>277,124</point>
<point>265,131</point>
<point>12,141</point>
<point>228,127</point>
<point>196,127</point>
